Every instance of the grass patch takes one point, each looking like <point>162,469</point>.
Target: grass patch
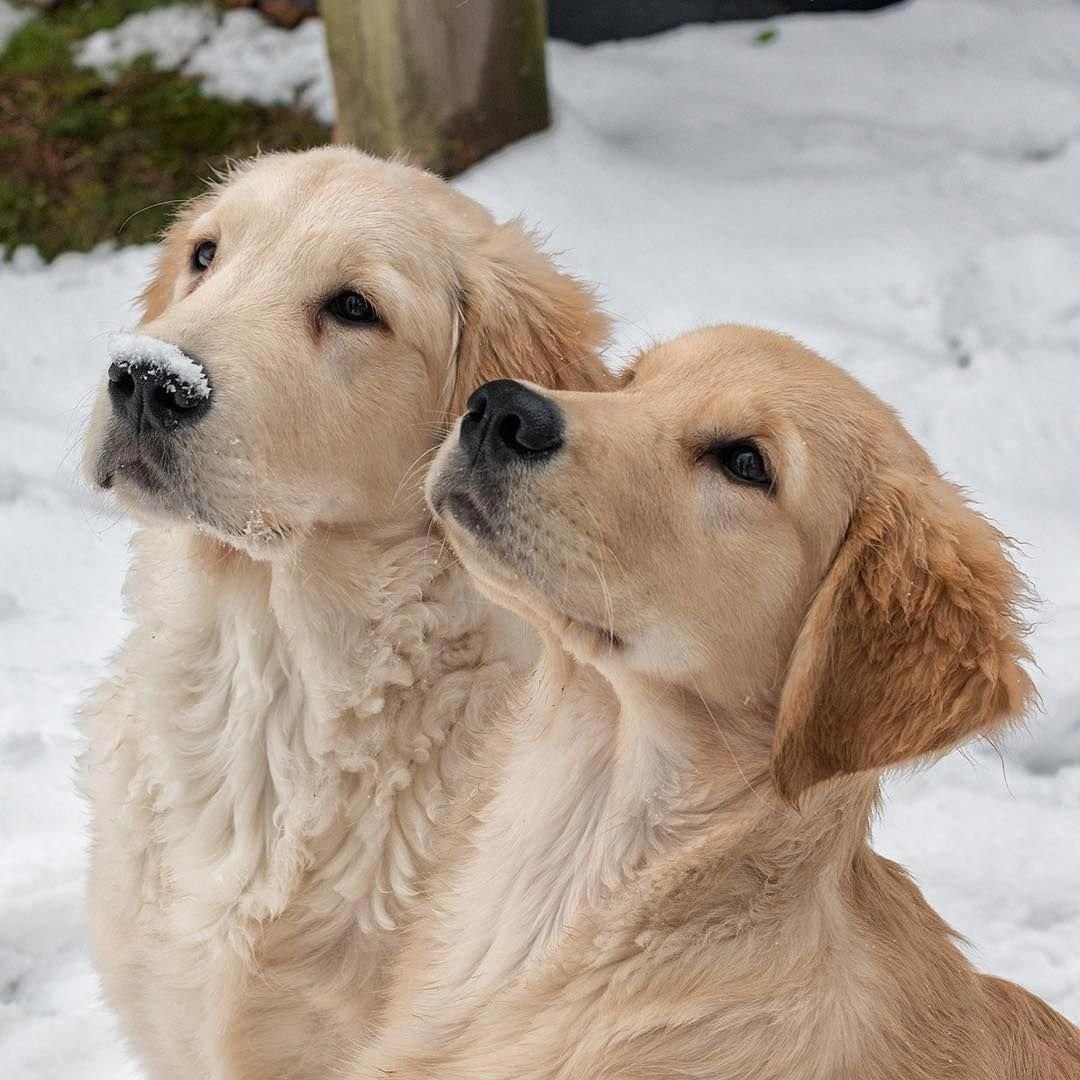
<point>84,160</point>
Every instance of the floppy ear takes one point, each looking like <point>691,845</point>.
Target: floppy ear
<point>912,644</point>
<point>523,318</point>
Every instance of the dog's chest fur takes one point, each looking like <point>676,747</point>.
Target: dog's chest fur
<point>265,768</point>
<point>580,807</point>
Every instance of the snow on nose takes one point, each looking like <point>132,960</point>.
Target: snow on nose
<point>181,373</point>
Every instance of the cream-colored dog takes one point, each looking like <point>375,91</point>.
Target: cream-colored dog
<point>755,593</point>
<point>307,667</point>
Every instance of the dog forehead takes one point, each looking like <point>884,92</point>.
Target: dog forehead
<point>736,377</point>
<point>285,203</point>
<point>697,390</point>
<point>353,222</point>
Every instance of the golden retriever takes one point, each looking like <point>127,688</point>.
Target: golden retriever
<point>754,593</point>
<point>307,667</point>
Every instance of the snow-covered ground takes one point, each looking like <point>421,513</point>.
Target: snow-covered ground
<point>900,190</point>
<point>237,54</point>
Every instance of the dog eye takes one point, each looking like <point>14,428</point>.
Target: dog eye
<point>203,255</point>
<point>742,462</point>
<point>351,307</point>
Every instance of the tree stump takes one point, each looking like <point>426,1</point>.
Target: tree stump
<point>441,82</point>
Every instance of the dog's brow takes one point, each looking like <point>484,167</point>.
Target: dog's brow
<point>702,439</point>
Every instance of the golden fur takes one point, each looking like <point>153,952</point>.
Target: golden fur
<point>667,873</point>
<point>307,668</point>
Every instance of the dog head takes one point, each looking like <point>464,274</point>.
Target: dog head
<point>746,521</point>
<point>314,322</point>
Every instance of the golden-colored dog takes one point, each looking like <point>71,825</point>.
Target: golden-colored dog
<point>307,668</point>
<point>755,593</point>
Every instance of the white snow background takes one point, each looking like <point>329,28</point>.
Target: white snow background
<point>900,190</point>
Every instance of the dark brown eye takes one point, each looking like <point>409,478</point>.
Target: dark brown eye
<point>742,462</point>
<point>351,307</point>
<point>203,255</point>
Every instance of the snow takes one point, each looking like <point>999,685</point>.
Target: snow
<point>899,190</point>
<point>169,34</point>
<point>128,350</point>
<point>251,59</point>
<point>239,56</point>
<point>11,18</point>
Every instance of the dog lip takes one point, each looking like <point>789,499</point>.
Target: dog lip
<point>466,513</point>
<point>606,635</point>
<point>130,463</point>
<point>139,472</point>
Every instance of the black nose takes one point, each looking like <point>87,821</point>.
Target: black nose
<point>148,395</point>
<point>509,422</point>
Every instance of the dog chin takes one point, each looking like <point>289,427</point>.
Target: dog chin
<point>147,495</point>
<point>465,513</point>
<point>256,538</point>
<point>145,498</point>
<point>509,586</point>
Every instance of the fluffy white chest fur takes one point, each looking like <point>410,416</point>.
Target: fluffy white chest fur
<point>265,767</point>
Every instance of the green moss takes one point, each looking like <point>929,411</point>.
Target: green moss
<point>76,19</point>
<point>36,47</point>
<point>83,160</point>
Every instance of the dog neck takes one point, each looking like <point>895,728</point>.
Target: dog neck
<point>595,787</point>
<point>317,705</point>
<point>753,838</point>
<point>610,789</point>
<point>629,817</point>
<point>846,932</point>
<point>699,774</point>
<point>351,613</point>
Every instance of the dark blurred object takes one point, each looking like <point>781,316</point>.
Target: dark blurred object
<point>442,82</point>
<point>287,13</point>
<point>605,20</point>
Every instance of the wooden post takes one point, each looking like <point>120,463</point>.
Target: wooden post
<point>443,82</point>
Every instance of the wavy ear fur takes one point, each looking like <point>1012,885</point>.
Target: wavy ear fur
<point>913,643</point>
<point>523,318</point>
